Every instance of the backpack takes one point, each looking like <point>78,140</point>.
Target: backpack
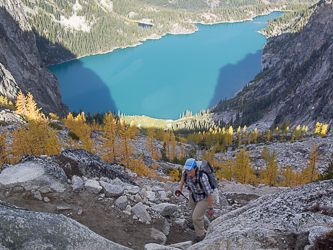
<point>205,167</point>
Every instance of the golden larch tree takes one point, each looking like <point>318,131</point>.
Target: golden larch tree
<point>21,104</point>
<point>226,169</point>
<point>166,140</point>
<point>173,144</point>
<point>270,174</point>
<point>125,148</point>
<point>109,138</point>
<point>310,172</point>
<point>150,140</point>
<point>243,171</point>
<point>3,150</point>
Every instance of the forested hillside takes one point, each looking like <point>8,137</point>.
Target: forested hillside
<point>67,29</point>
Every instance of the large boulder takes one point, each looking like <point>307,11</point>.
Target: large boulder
<point>33,173</point>
<point>83,163</point>
<point>291,219</point>
<point>24,229</point>
<point>140,211</point>
<point>165,209</point>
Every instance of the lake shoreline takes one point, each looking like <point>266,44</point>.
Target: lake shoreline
<point>153,79</point>
<point>157,37</point>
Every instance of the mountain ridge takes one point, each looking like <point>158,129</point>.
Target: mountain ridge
<point>21,67</point>
<point>297,81</point>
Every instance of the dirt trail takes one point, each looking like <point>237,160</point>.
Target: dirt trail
<point>99,216</point>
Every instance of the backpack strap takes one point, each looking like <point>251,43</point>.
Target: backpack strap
<point>200,176</point>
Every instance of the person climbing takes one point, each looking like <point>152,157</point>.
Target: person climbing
<point>201,196</point>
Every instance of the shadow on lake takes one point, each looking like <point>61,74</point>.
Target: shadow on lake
<point>233,77</point>
<point>82,88</point>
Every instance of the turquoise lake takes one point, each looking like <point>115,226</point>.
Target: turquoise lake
<point>163,78</point>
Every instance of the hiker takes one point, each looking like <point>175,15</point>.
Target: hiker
<point>201,196</point>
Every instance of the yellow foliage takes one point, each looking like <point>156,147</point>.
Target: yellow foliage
<point>36,139</point>
<point>26,106</point>
<point>292,179</point>
<point>310,172</point>
<point>297,132</point>
<point>225,169</point>
<point>149,141</point>
<point>138,166</point>
<point>230,131</point>
<point>269,135</point>
<point>54,116</point>
<point>174,174</point>
<point>321,129</point>
<point>182,139</point>
<point>125,149</point>
<point>270,174</point>
<point>3,150</point>
<point>265,153</point>
<point>81,128</point>
<point>181,153</point>
<point>243,171</point>
<point>173,145</point>
<point>133,130</point>
<point>304,130</point>
<point>4,102</point>
<point>156,155</point>
<point>69,121</point>
<point>109,139</point>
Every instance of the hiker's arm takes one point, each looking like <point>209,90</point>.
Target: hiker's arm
<point>210,204</point>
<point>182,181</point>
<point>210,201</point>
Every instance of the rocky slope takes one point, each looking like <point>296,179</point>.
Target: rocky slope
<point>297,82</point>
<point>20,64</point>
<point>76,187</point>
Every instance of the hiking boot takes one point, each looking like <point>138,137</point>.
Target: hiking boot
<point>198,239</point>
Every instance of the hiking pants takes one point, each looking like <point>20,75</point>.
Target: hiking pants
<point>199,209</point>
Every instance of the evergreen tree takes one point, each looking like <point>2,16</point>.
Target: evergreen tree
<point>328,172</point>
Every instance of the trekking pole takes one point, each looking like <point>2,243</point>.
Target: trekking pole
<point>177,193</point>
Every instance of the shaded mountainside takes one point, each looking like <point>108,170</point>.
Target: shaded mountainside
<point>297,79</point>
<point>20,63</point>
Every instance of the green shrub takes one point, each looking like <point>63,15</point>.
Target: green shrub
<point>72,135</point>
<point>55,126</point>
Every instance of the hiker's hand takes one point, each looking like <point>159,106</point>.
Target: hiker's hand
<point>210,212</point>
<point>177,193</point>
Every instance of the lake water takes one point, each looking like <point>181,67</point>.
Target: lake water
<point>163,78</point>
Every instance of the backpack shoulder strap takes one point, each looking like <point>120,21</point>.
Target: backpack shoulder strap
<point>185,175</point>
<point>200,176</point>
